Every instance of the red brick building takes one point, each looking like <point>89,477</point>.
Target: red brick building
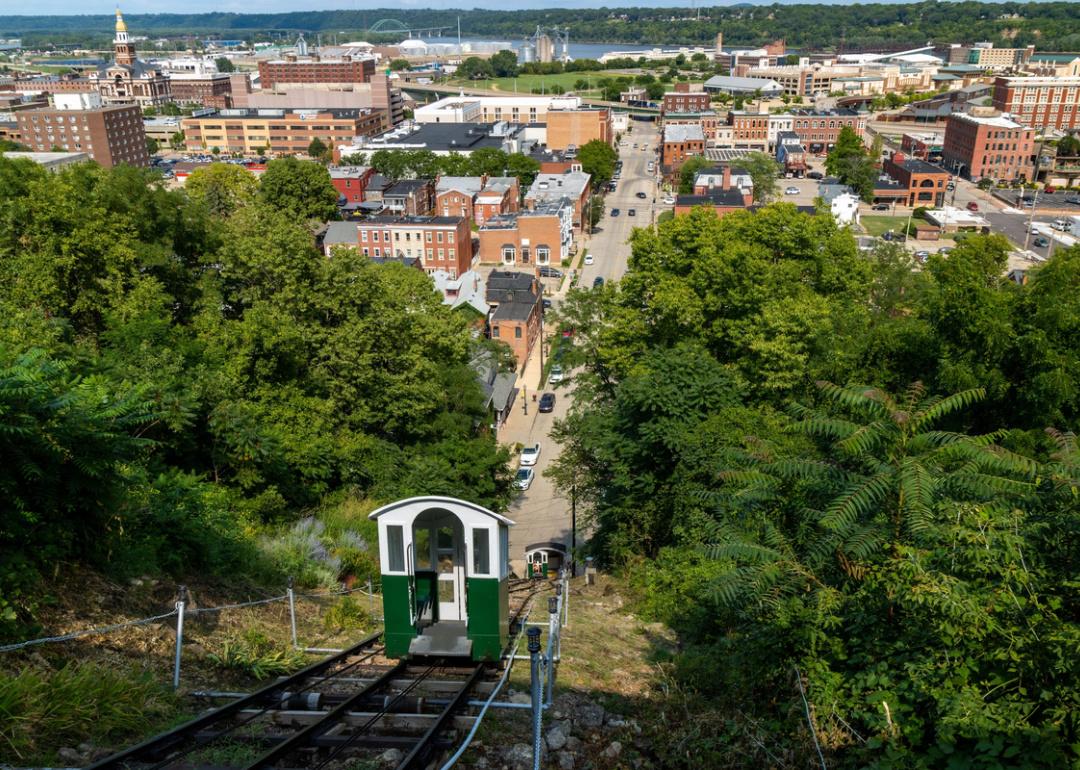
<point>477,198</point>
<point>441,243</point>
<point>925,183</point>
<point>680,142</point>
<point>109,135</point>
<point>539,237</point>
<point>685,102</point>
<point>1041,103</point>
<point>988,146</point>
<point>517,312</point>
<point>351,181</point>
<point>208,90</point>
<point>818,131</point>
<point>347,69</point>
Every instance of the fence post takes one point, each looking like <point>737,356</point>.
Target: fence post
<point>181,602</point>
<point>292,613</point>
<point>371,598</point>
<point>534,680</point>
<point>553,636</point>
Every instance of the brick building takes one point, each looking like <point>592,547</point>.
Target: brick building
<point>277,132</point>
<point>210,89</point>
<point>517,312</point>
<point>981,146</point>
<point>351,182</point>
<point>284,72</point>
<point>1041,103</point>
<point>553,188</point>
<point>924,183</point>
<point>110,135</point>
<point>477,198</point>
<point>683,102</point>
<point>541,236</point>
<point>441,243</point>
<point>723,189</point>
<point>566,128</point>
<point>410,197</point>
<point>819,130</point>
<point>680,142</point>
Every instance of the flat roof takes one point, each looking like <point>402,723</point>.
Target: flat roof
<point>996,121</point>
<point>683,132</point>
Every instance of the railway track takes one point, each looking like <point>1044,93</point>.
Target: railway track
<point>345,706</point>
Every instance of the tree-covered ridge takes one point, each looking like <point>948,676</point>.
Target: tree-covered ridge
<point>837,472</point>
<point>179,369</point>
<point>1052,26</point>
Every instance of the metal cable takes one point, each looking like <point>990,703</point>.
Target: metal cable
<point>200,610</point>
<point>806,705</point>
<point>87,632</point>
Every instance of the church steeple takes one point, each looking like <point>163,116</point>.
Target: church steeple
<point>125,50</point>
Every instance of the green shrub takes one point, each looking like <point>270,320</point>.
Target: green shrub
<point>346,615</point>
<point>41,711</point>
<point>255,654</point>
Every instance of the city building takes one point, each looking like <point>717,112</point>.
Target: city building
<point>378,94</point>
<point>440,243</point>
<point>514,108</point>
<point>277,132</point>
<point>574,128</point>
<point>819,129</point>
<point>723,189</point>
<point>351,182</point>
<point>161,130</point>
<point>740,86</point>
<point>679,143</point>
<point>409,197</point>
<point>985,56</point>
<point>684,102</point>
<point>922,146</point>
<point>757,130</point>
<point>1042,103</point>
<point>445,138</point>
<point>52,161</point>
<point>79,122</point>
<point>790,153</point>
<point>127,80</point>
<point>516,314</point>
<point>477,198</point>
<point>572,185</point>
<point>991,146</point>
<point>201,86</point>
<point>540,236</point>
<point>297,71</point>
<point>923,182</point>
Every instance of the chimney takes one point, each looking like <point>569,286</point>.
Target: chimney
<point>719,44</point>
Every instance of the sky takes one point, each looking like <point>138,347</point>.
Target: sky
<point>71,7</point>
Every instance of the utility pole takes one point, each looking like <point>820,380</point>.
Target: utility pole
<point>1031,216</point>
<point>573,530</point>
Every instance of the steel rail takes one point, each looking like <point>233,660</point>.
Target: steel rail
<point>165,741</point>
<point>421,751</point>
<point>332,717</point>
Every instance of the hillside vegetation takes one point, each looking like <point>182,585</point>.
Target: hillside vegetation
<point>185,378</point>
<point>844,479</point>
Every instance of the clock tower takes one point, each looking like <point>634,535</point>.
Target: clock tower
<point>124,48</point>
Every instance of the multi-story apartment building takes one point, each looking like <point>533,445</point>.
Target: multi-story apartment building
<point>924,182</point>
<point>1042,103</point>
<point>985,55</point>
<point>540,236</point>
<point>679,143</point>
<point>477,198</point>
<point>757,131</point>
<point>109,134</point>
<point>207,89</point>
<point>685,102</point>
<point>819,130</point>
<point>516,310</point>
<point>575,128</point>
<point>280,73</point>
<point>572,185</point>
<point>988,146</point>
<point>441,243</point>
<point>277,132</point>
<point>515,108</point>
<point>351,182</point>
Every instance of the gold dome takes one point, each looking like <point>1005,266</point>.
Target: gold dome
<point>120,25</point>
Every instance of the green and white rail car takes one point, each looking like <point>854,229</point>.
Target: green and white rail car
<point>445,571</point>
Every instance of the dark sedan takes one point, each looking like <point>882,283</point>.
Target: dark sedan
<point>547,402</point>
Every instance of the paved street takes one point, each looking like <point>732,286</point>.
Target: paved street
<point>539,513</point>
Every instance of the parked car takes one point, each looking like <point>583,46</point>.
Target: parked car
<point>1041,242</point>
<point>614,212</point>
<point>555,376</point>
<point>1073,199</point>
<point>1027,202</point>
<point>1050,189</point>
<point>598,281</point>
<point>791,191</point>
<point>893,237</point>
<point>589,259</point>
<point>880,207</point>
<point>972,206</point>
<point>524,478</point>
<point>922,256</point>
<point>1061,224</point>
<point>530,454</point>
<point>950,186</point>
<point>944,251</point>
<point>631,212</point>
<point>546,303</point>
<point>547,402</point>
<point>815,175</point>
<point>547,271</point>
<point>641,195</point>
<point>669,201</point>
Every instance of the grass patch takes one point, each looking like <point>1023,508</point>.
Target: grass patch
<point>44,710</point>
<point>879,225</point>
<point>253,653</point>
<point>526,83</point>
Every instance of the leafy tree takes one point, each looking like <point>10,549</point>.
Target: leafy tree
<point>504,64</point>
<point>852,164</point>
<point>1068,146</point>
<point>689,171</point>
<point>523,167</point>
<point>222,187</point>
<point>176,141</point>
<point>317,148</point>
<point>300,188</point>
<point>475,68</point>
<point>655,91</point>
<point>152,145</point>
<point>597,158</point>
<point>764,171</point>
<point>397,65</point>
<point>224,64</point>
